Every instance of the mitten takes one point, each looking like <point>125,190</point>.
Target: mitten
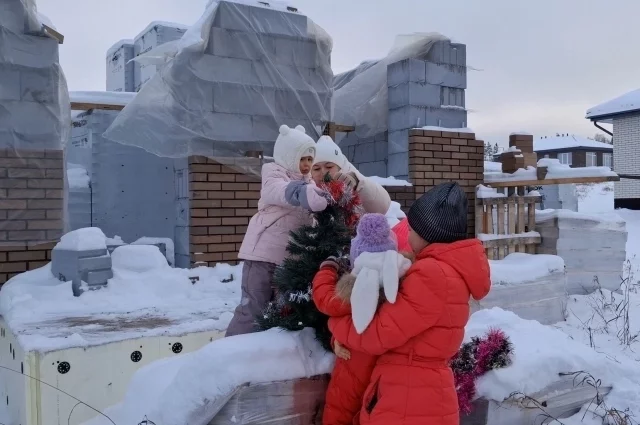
<point>301,194</point>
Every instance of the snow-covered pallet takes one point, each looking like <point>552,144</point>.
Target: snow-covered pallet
<point>560,400</point>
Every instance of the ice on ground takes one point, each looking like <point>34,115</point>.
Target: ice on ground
<point>177,390</point>
<point>519,268</point>
<point>44,315</point>
<point>85,239</point>
<point>77,176</point>
<point>389,181</point>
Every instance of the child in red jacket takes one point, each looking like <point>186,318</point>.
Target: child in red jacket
<point>332,289</point>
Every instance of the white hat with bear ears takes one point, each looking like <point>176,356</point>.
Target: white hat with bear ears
<point>291,145</point>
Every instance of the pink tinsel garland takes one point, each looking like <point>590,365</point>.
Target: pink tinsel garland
<point>487,349</point>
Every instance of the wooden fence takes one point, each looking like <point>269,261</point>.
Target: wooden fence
<point>507,224</point>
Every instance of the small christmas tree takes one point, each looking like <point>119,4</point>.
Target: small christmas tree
<point>330,234</point>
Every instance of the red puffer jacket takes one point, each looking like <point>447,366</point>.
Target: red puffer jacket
<point>416,337</point>
<point>349,378</point>
<point>401,231</point>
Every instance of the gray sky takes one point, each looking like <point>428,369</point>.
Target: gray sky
<point>540,64</point>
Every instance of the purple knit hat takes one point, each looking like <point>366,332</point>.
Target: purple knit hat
<point>373,235</point>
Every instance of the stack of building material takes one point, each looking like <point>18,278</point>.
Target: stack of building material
<point>593,247</point>
<point>520,153</point>
<point>154,35</point>
<point>92,266</point>
<point>263,66</point>
<point>120,69</point>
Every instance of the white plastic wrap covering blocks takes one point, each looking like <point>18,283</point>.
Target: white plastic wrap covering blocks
<point>561,400</point>
<point>249,18</point>
<point>543,300</point>
<point>295,402</point>
<point>593,249</point>
<point>155,36</point>
<point>120,69</point>
<point>27,50</point>
<point>19,16</point>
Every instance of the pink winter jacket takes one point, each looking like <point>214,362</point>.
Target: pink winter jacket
<point>286,200</point>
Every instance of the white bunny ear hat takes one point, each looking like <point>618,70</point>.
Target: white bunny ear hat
<point>375,270</point>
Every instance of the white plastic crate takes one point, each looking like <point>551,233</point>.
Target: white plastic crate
<point>98,375</point>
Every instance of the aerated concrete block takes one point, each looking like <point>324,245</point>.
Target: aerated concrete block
<point>407,117</point>
<point>398,165</point>
<point>120,69</point>
<point>445,52</point>
<point>40,85</point>
<point>241,99</point>
<point>225,70</point>
<point>28,50</point>
<point>91,266</point>
<point>378,168</point>
<point>398,141</point>
<point>9,82</point>
<point>446,75</point>
<point>240,44</point>
<point>408,70</point>
<point>414,94</point>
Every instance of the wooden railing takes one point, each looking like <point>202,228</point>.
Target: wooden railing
<point>507,224</point>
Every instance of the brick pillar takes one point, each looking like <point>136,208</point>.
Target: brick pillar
<point>222,201</point>
<point>31,208</point>
<point>441,156</point>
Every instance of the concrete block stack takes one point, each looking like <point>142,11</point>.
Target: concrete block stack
<point>591,247</point>
<point>260,69</point>
<point>32,127</point>
<point>120,71</point>
<point>520,154</point>
<point>427,91</point>
<point>154,35</point>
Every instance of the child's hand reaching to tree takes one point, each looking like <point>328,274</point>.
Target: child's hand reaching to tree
<point>340,351</point>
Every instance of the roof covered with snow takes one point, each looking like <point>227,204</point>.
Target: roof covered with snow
<point>628,102</point>
<point>568,141</point>
<point>102,97</point>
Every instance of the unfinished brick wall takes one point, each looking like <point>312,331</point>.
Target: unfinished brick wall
<point>442,156</point>
<point>31,209</point>
<point>223,200</point>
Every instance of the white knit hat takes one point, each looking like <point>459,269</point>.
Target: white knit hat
<point>328,151</point>
<point>291,145</point>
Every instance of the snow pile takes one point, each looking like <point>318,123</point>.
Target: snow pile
<point>594,198</point>
<point>389,181</point>
<point>177,391</point>
<point>451,130</point>
<point>77,176</point>
<point>483,191</point>
<point>168,243</point>
<point>625,103</point>
<point>138,259</point>
<point>520,268</point>
<point>604,221</point>
<point>146,297</point>
<point>492,167</point>
<point>395,214</point>
<point>541,353</point>
<point>86,239</point>
<point>102,97</point>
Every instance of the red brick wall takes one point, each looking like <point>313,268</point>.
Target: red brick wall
<point>223,200</point>
<point>31,208</point>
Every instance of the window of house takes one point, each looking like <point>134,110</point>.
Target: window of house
<point>546,155</point>
<point>592,159</point>
<point>607,160</point>
<point>565,158</point>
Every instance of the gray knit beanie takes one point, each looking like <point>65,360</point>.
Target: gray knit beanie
<point>440,215</point>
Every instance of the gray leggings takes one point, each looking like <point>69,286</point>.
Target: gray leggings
<point>256,293</point>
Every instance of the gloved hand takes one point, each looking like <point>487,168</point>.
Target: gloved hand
<point>340,264</point>
<point>350,180</point>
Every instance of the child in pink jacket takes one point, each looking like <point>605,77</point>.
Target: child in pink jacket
<point>287,197</point>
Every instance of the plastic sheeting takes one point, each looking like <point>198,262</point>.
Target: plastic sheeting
<point>361,95</point>
<point>244,69</point>
<point>35,123</point>
<point>295,402</point>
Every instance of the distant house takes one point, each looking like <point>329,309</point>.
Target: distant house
<point>624,113</point>
<point>575,151</point>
